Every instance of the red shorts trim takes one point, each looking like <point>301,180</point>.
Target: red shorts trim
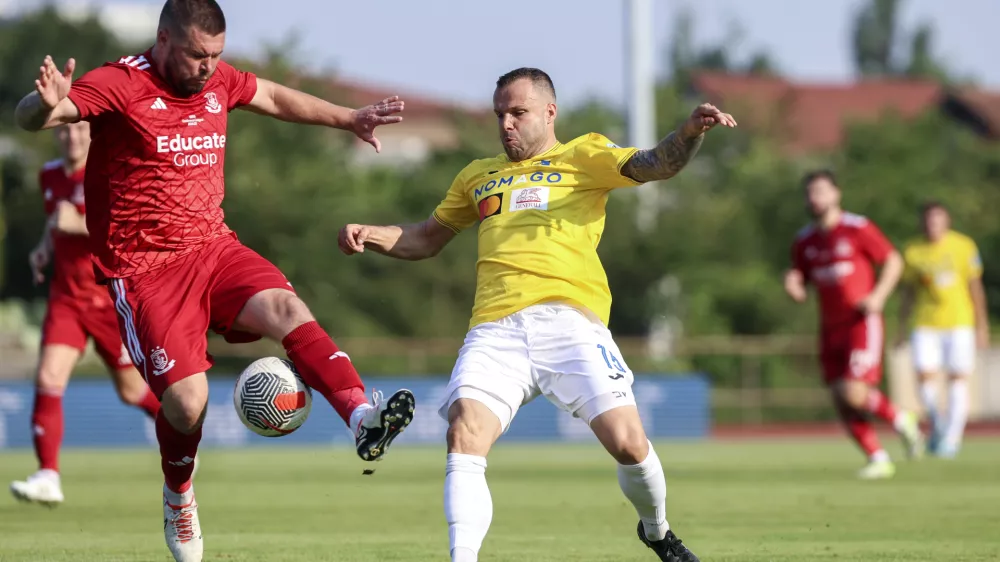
<point>853,351</point>
<point>67,324</point>
<point>164,315</point>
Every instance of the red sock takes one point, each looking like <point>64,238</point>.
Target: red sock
<point>325,368</point>
<point>149,404</point>
<point>177,452</point>
<point>860,429</point>
<point>879,405</point>
<point>47,428</point>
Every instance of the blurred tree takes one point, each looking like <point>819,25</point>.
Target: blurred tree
<point>922,63</point>
<point>686,58</point>
<point>878,45</point>
<point>875,38</point>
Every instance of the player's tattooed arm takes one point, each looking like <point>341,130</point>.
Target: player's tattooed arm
<point>669,157</point>
<point>665,160</point>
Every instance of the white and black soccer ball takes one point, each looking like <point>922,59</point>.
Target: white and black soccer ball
<point>271,398</point>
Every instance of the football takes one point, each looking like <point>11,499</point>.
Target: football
<point>271,398</point>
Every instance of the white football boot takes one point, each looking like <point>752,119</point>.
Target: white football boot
<point>42,487</point>
<point>181,527</point>
<point>381,423</point>
<point>908,426</point>
<point>877,470</point>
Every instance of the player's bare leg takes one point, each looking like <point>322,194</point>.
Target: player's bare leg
<point>958,413</point>
<point>178,430</point>
<point>856,401</point>
<point>55,365</point>
<point>640,476</point>
<point>468,506</point>
<point>282,316</point>
<point>133,391</point>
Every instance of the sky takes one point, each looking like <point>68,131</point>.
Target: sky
<point>455,49</point>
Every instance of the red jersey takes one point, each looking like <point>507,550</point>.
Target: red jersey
<point>841,264</point>
<point>154,180</point>
<point>72,270</point>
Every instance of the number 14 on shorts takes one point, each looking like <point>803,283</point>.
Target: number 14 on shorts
<point>612,363</point>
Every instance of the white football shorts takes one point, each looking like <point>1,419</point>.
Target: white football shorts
<point>951,352</point>
<point>551,349</point>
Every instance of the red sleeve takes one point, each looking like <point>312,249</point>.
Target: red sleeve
<point>241,86</point>
<point>873,243</point>
<point>102,90</point>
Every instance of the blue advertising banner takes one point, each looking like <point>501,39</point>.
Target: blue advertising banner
<point>671,407</point>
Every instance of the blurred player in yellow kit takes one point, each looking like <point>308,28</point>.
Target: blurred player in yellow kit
<point>539,322</point>
<point>943,288</point>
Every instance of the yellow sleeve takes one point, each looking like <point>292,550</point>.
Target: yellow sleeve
<point>602,161</point>
<point>456,211</point>
<point>973,262</point>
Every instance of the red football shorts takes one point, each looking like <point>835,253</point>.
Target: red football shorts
<point>67,324</point>
<point>853,351</point>
<point>164,315</point>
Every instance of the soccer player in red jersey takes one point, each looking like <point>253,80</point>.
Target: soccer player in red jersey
<point>78,308</point>
<point>154,186</point>
<point>838,254</point>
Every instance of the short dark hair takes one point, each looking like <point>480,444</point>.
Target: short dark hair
<point>537,77</point>
<point>181,15</point>
<point>821,174</point>
<point>932,205</point>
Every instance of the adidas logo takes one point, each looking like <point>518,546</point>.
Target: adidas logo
<point>158,104</point>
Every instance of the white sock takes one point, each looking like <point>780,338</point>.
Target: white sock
<point>468,506</point>
<point>644,485</point>
<point>173,498</point>
<point>958,411</point>
<point>880,456</point>
<point>48,474</point>
<point>357,414</point>
<point>928,395</point>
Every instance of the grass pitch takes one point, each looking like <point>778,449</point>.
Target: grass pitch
<point>743,500</point>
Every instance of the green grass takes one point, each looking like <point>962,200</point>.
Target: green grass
<point>746,501</point>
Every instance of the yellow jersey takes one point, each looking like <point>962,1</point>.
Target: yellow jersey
<point>940,273</point>
<point>540,221</point>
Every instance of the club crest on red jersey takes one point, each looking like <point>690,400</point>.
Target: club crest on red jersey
<point>161,363</point>
<point>212,104</point>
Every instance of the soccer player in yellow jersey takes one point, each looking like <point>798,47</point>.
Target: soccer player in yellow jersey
<point>542,301</point>
<point>943,289</point>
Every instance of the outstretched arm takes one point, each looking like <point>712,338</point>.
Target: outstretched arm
<point>48,105</point>
<point>669,157</point>
<point>406,242</point>
<point>287,104</point>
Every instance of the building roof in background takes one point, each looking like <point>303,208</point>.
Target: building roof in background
<point>812,117</point>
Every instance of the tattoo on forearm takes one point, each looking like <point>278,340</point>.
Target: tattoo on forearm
<point>663,161</point>
<point>30,114</point>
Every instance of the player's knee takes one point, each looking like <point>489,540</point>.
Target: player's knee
<point>283,311</point>
<point>51,379</point>
<point>628,446</point>
<point>853,394</point>
<point>467,437</point>
<point>620,431</point>
<point>184,403</point>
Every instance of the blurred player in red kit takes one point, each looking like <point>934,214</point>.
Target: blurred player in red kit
<point>154,187</point>
<point>78,309</point>
<point>838,254</point>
